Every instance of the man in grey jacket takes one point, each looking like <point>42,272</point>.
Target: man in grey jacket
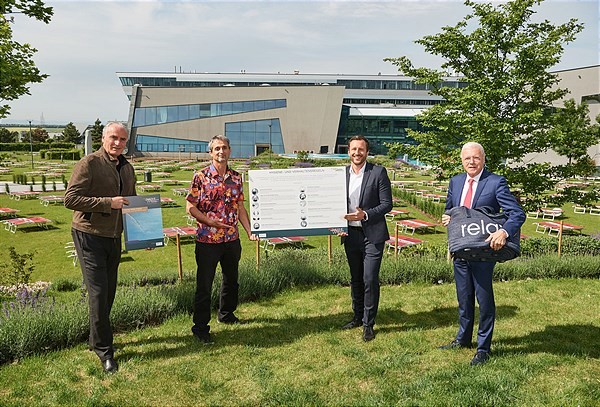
<point>96,193</point>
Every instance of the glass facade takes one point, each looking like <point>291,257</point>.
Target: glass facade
<point>406,84</point>
<point>379,130</point>
<point>148,116</point>
<point>248,138</point>
<point>169,145</point>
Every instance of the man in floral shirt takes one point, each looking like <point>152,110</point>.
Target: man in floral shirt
<point>216,201</point>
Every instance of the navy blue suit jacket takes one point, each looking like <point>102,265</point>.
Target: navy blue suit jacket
<point>375,199</point>
<point>492,191</point>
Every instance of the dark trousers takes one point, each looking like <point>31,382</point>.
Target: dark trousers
<point>364,259</point>
<point>99,258</point>
<point>474,280</point>
<point>208,255</point>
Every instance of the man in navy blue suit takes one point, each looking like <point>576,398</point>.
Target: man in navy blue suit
<point>369,199</point>
<point>476,188</point>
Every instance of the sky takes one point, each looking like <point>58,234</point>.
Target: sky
<point>87,42</point>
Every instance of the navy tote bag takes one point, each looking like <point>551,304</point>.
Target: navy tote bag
<point>468,229</point>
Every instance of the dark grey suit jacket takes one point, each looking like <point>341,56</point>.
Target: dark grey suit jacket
<point>375,199</point>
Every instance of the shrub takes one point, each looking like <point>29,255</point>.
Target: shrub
<point>29,326</point>
<point>18,270</point>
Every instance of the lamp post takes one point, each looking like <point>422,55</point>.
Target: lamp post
<point>31,144</point>
<point>270,145</point>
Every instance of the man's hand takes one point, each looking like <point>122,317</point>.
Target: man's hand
<point>117,202</point>
<point>252,237</point>
<point>355,216</point>
<point>497,239</point>
<point>445,219</point>
<point>216,223</point>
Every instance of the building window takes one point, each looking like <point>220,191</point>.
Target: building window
<point>168,145</point>
<point>148,116</point>
<point>249,136</point>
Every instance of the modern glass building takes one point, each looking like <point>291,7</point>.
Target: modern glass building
<point>180,112</point>
<point>288,112</point>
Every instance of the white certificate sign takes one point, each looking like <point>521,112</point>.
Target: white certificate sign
<point>297,202</point>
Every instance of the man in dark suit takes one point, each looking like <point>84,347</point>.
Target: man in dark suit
<point>476,188</point>
<point>369,199</point>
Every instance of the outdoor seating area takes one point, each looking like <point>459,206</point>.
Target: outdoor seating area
<point>295,241</point>
<point>167,202</point>
<point>71,252</point>
<point>415,224</point>
<point>51,200</point>
<point>150,188</point>
<point>398,242</point>
<point>8,213</point>
<point>182,231</point>
<point>13,224</point>
<point>592,210</point>
<point>395,213</point>
<point>180,191</point>
<point>554,227</point>
<point>18,195</point>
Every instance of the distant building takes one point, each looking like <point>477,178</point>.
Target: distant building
<point>584,87</point>
<point>180,112</point>
<point>174,113</point>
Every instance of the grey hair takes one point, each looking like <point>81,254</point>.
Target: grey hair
<point>473,144</point>
<point>114,124</point>
<point>218,137</point>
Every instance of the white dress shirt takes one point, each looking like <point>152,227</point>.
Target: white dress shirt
<point>354,187</point>
<point>466,188</point>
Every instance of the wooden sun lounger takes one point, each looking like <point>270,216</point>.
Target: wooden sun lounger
<point>149,187</point>
<point>270,244</point>
<point>391,215</point>
<point>415,224</point>
<point>401,241</point>
<point>165,201</point>
<point>180,191</point>
<point>17,196</point>
<point>548,213</point>
<point>12,224</point>
<point>182,231</point>
<point>51,200</point>
<point>554,227</point>
<point>8,212</point>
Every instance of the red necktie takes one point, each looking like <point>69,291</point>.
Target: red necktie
<point>469,197</point>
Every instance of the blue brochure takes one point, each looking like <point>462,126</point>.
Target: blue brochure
<point>142,222</point>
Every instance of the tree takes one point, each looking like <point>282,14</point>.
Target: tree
<point>7,136</point>
<point>39,135</point>
<point>572,132</point>
<point>96,132</point>
<point>17,67</point>
<point>71,134</point>
<point>504,59</point>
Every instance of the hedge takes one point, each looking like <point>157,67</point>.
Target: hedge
<point>26,147</point>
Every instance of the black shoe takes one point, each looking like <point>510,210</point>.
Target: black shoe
<point>110,366</point>
<point>455,345</point>
<point>480,358</point>
<point>230,320</point>
<point>368,333</point>
<point>204,337</point>
<point>355,323</point>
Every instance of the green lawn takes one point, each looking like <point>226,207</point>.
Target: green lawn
<point>52,263</point>
<point>291,351</point>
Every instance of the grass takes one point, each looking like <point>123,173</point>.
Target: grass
<point>291,352</point>
<point>52,263</point>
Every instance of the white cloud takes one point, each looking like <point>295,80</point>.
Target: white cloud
<point>87,42</point>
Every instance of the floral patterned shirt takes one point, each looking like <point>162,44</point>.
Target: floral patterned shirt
<point>218,197</point>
